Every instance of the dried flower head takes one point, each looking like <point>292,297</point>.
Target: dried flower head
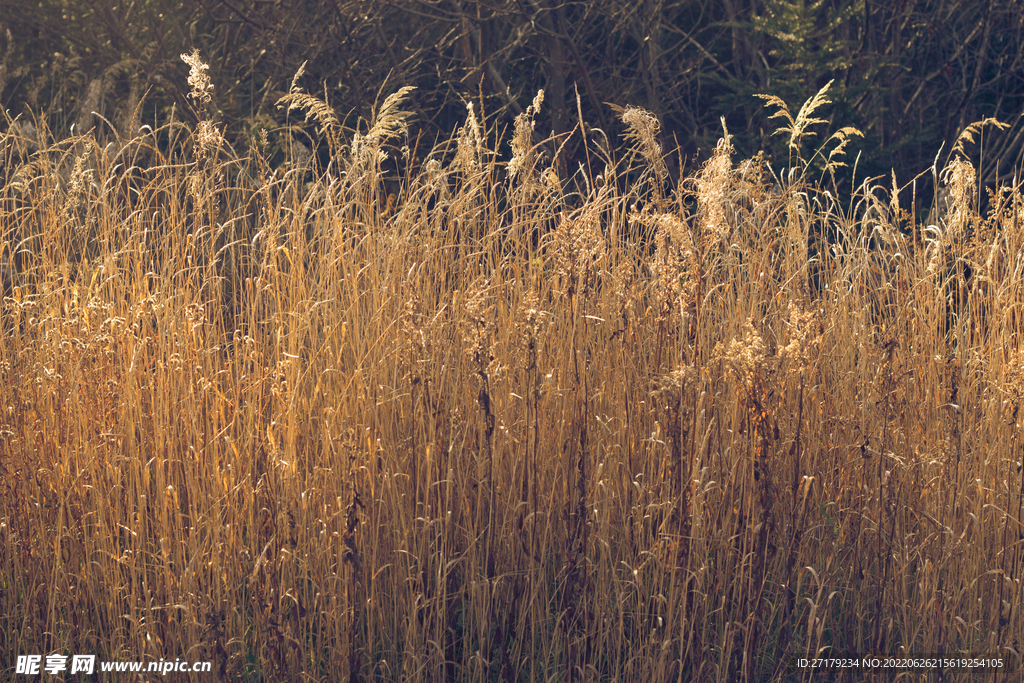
<point>712,187</point>
<point>209,138</point>
<point>805,330</point>
<point>580,249</point>
<point>748,358</point>
<point>471,143</point>
<point>644,128</point>
<point>198,78</point>
<point>959,178</point>
<point>478,329</point>
<point>671,385</point>
<point>524,156</point>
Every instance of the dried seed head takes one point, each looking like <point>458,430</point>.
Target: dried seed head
<point>524,156</point>
<point>749,358</point>
<point>713,186</point>
<point>643,134</point>
<point>198,78</point>
<point>805,330</point>
<point>470,151</point>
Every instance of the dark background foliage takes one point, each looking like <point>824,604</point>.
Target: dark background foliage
<point>911,74</point>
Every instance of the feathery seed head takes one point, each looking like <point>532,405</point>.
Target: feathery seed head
<point>208,137</point>
<point>524,156</point>
<point>643,134</point>
<point>748,358</point>
<point>197,77</point>
<point>805,330</point>
<point>713,185</point>
<point>470,140</point>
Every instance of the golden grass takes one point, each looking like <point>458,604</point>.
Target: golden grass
<point>511,426</point>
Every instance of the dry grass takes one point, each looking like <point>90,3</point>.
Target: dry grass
<point>505,425</point>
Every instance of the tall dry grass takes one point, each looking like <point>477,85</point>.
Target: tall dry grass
<point>503,424</point>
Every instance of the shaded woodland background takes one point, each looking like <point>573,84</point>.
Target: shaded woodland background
<point>909,74</point>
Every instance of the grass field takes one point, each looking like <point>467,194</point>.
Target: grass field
<point>391,413</point>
